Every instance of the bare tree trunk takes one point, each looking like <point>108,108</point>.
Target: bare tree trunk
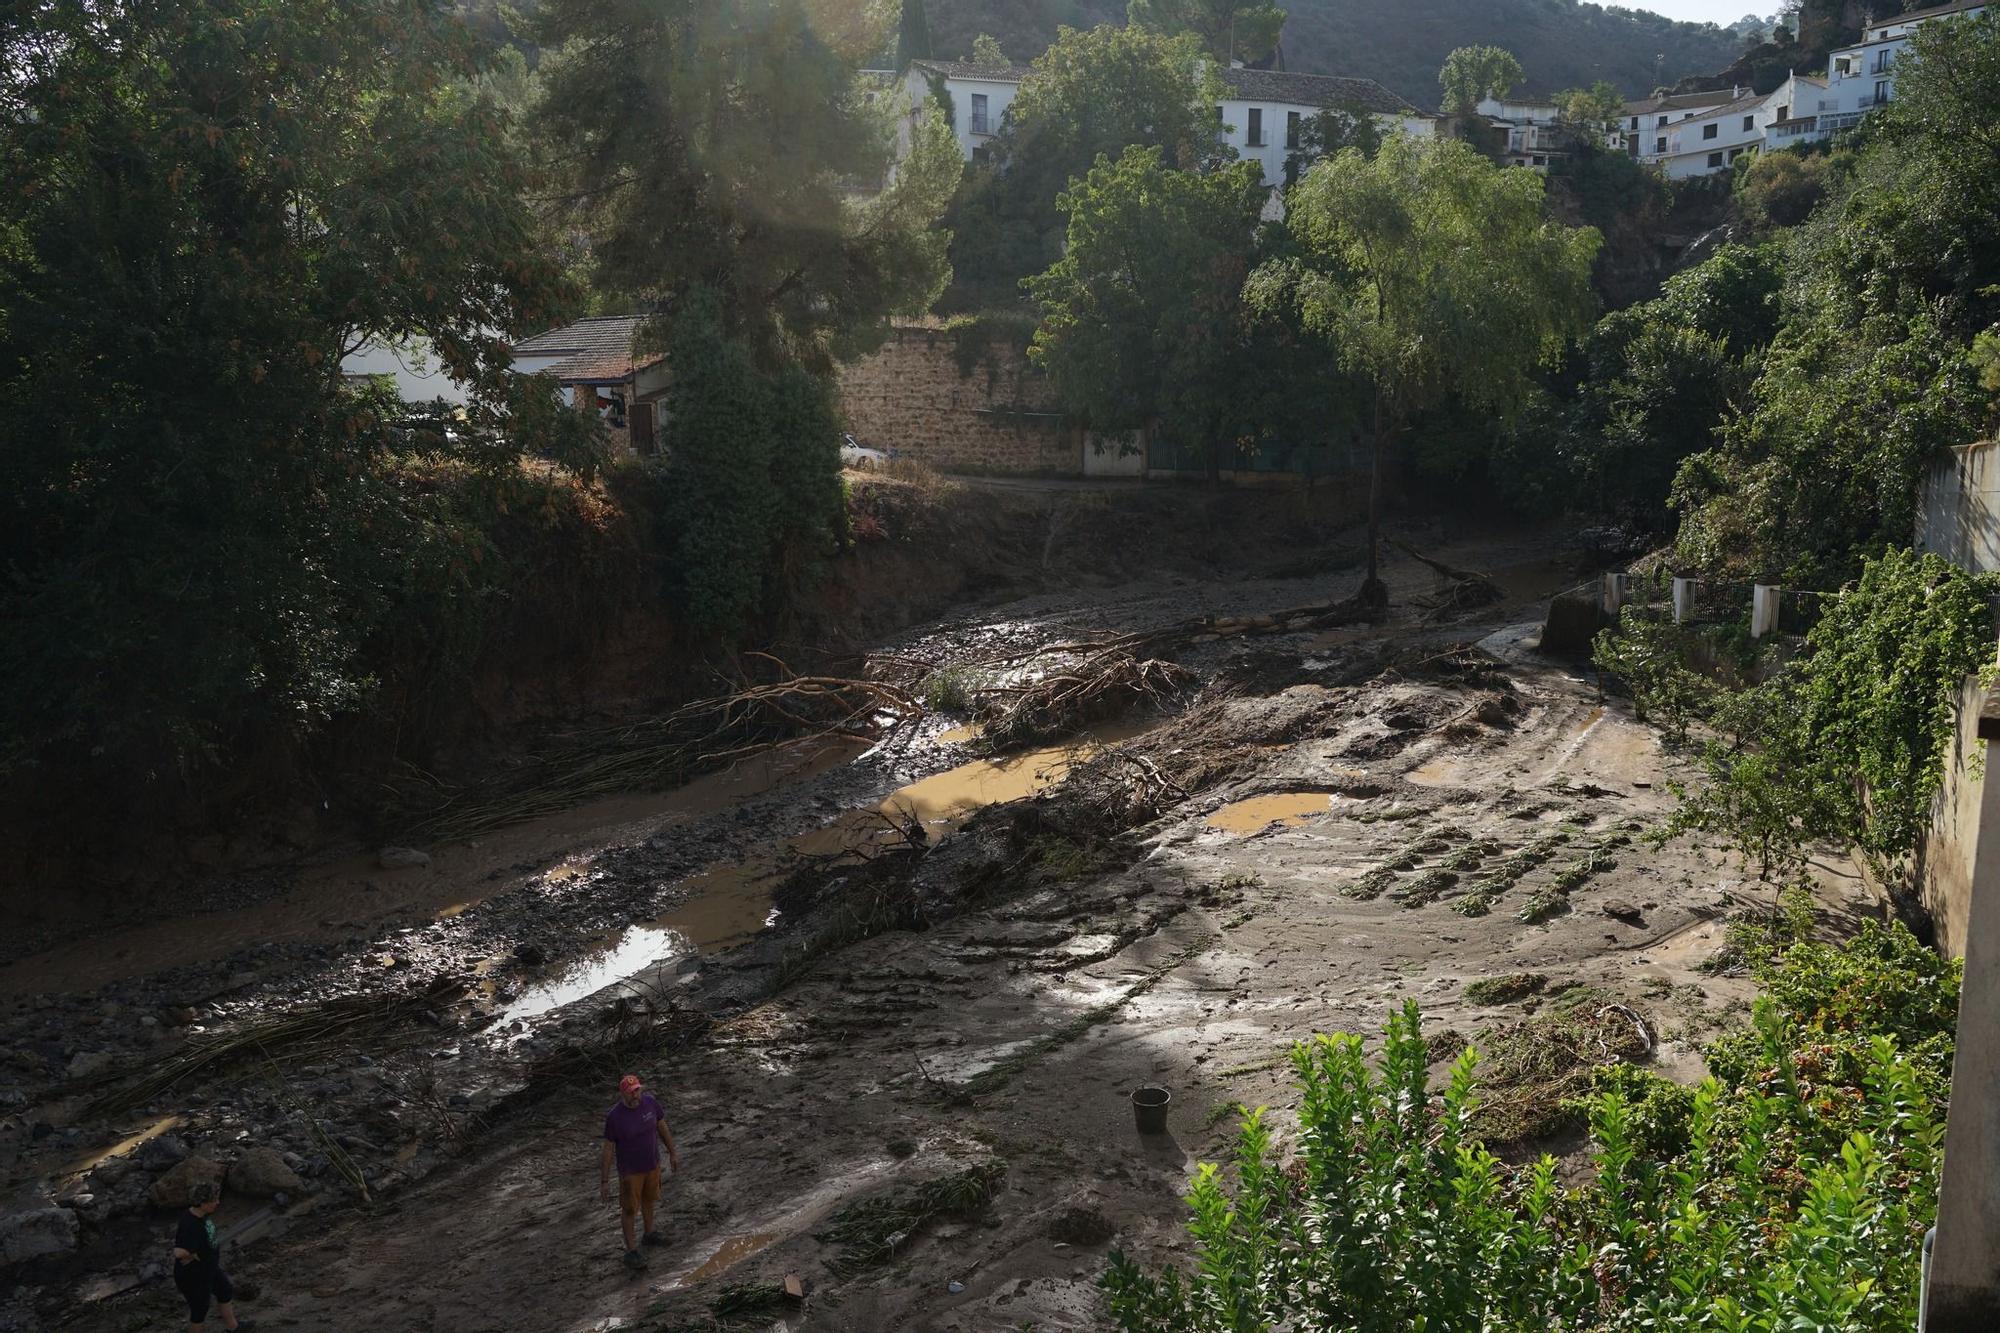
<point>1373,591</point>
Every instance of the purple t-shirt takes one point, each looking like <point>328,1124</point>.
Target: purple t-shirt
<point>636,1132</point>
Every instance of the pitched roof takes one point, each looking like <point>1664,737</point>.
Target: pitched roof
<point>967,69</point>
<point>1321,90</point>
<point>1681,101</point>
<point>593,351</point>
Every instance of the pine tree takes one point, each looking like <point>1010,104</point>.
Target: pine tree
<point>913,35</point>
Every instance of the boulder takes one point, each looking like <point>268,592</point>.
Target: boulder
<point>89,1064</point>
<point>401,858</point>
<point>171,1189</point>
<point>262,1172</point>
<point>157,1154</point>
<point>1574,619</point>
<point>35,1230</point>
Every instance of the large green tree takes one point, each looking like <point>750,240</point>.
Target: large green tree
<point>203,205</point>
<point>1229,29</point>
<point>719,145</point>
<point>1472,73</point>
<point>1435,276</point>
<point>1143,318</point>
<point>1091,94</point>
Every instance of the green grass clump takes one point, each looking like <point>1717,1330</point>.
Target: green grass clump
<point>1428,887</point>
<point>872,1230</point>
<point>1505,990</point>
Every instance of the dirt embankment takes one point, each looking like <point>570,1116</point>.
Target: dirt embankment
<point>896,1002</point>
<point>588,643</point>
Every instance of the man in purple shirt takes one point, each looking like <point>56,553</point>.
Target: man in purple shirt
<point>633,1133</point>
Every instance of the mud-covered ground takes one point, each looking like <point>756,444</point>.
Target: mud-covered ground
<point>1330,823</point>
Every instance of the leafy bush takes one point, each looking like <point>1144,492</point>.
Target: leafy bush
<point>1852,741</point>
<point>1808,1174</point>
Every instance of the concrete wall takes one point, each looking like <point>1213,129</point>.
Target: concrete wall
<point>1949,857</point>
<point>910,397</point>
<point>1958,509</point>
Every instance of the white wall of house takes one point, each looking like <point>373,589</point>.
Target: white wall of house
<point>977,106</point>
<point>413,366</point>
<point>1268,132</point>
<point>1712,140</point>
<point>1862,77</point>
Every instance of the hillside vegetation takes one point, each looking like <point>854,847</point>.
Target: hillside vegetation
<point>1560,43</point>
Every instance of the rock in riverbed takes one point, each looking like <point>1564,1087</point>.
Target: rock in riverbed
<point>171,1189</point>
<point>35,1230</point>
<point>262,1172</point>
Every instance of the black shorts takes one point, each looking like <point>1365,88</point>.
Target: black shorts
<point>199,1285</point>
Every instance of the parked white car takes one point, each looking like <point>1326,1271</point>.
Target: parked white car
<point>860,456</point>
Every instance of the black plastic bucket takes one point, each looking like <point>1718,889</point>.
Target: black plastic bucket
<point>1149,1108</point>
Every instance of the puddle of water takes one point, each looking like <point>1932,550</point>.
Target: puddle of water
<point>124,1145</point>
<point>731,1252</point>
<point>1289,808</point>
<point>1443,771</point>
<point>730,904</point>
<point>945,800</point>
<point>633,950</point>
<point>959,735</point>
<point>725,906</point>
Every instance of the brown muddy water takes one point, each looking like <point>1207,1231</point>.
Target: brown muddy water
<point>729,904</point>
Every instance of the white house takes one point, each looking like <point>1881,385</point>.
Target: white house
<point>1529,122</point>
<point>1650,120</point>
<point>412,367</point>
<point>1862,77</point>
<point>1793,111</point>
<point>1712,139</point>
<point>594,362</point>
<point>976,98</point>
<point>1266,112</point>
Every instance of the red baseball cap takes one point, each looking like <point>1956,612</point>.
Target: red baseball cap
<point>630,1083</point>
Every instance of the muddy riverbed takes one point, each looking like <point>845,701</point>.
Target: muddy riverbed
<point>851,974</point>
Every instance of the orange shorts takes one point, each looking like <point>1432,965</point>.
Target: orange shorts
<point>633,1191</point>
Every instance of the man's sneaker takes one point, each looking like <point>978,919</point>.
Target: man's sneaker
<point>652,1238</point>
<point>634,1259</point>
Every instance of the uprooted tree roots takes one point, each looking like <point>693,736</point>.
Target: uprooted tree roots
<point>654,752</point>
<point>1100,685</point>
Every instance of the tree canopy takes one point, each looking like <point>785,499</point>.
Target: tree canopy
<point>1415,258</point>
<point>1091,94</point>
<point>1143,317</point>
<point>679,188</point>
<point>1472,73</point>
<point>1228,29</point>
<point>201,524</point>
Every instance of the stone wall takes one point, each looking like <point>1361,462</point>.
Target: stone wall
<point>912,398</point>
<point>1958,512</point>
<point>1948,862</point>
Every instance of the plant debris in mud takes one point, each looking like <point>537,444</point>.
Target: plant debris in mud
<point>873,1230</point>
<point>1505,990</point>
<point>308,1031</point>
<point>1102,685</point>
<point>1536,1069</point>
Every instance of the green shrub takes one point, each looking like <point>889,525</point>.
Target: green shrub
<point>1791,1192</point>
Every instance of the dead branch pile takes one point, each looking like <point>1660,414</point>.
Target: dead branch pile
<point>1458,589</point>
<point>662,751</point>
<point>307,1032</point>
<point>1101,684</point>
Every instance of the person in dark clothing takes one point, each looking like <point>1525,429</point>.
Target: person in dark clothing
<point>198,1263</point>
